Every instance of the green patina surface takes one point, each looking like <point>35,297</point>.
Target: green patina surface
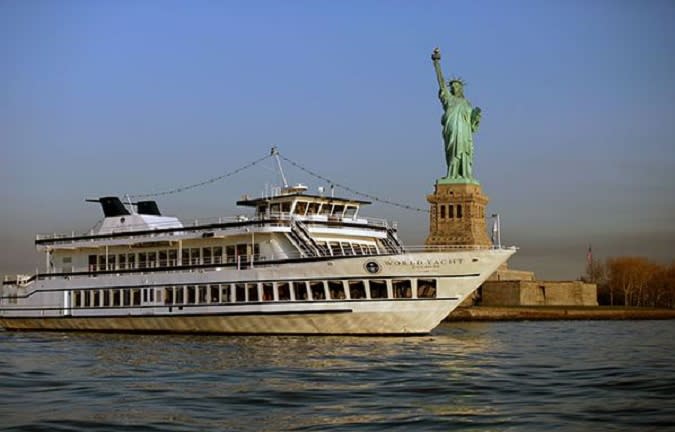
<point>460,121</point>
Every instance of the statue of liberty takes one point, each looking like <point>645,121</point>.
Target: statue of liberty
<point>459,122</point>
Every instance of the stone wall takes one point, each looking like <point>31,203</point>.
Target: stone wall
<point>538,293</point>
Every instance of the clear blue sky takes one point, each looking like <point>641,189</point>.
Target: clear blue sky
<point>576,145</point>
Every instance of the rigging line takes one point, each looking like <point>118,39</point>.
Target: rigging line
<point>355,192</point>
<point>203,183</point>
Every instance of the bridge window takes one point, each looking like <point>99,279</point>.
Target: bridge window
<point>313,208</point>
<point>338,209</point>
<point>350,211</point>
<point>301,208</point>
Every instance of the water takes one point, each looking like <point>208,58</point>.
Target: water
<point>527,376</point>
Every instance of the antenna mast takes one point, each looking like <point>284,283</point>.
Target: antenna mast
<point>275,152</point>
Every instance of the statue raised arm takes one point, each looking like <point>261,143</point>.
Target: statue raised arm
<point>459,122</point>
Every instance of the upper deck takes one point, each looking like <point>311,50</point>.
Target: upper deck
<point>272,213</point>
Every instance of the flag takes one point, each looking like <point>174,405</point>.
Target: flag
<point>495,229</point>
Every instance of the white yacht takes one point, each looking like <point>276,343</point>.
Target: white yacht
<point>301,263</point>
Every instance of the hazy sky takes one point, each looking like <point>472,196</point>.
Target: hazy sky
<point>576,145</point>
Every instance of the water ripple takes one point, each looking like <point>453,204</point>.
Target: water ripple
<point>617,376</point>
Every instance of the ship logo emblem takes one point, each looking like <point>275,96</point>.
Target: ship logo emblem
<point>372,267</point>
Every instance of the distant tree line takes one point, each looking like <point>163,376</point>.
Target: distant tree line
<point>632,281</point>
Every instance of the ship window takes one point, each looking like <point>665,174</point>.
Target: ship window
<point>111,262</point>
<point>206,254</point>
<point>225,293</point>
<point>378,289</point>
<point>336,290</point>
<point>325,209</point>
<point>317,289</point>
<point>284,291</point>
<point>179,295</point>
<point>163,256</point>
<point>275,208</point>
<point>357,249</point>
<point>194,256</point>
<point>126,297</point>
<point>203,293</point>
<point>117,298</point>
<point>142,260</point>
<point>451,211</point>
<point>347,248</point>
<point>173,257</point>
<point>338,209</point>
<point>426,288</point>
<point>152,259</point>
<point>131,261</point>
<point>152,295</point>
<point>217,255</point>
<point>230,254</point>
<point>191,295</point>
<point>402,288</point>
<point>323,248</point>
<point>67,260</point>
<point>106,298</point>
<point>122,261</point>
<point>312,208</point>
<point>92,263</point>
<point>459,211</point>
<point>442,211</point>
<point>215,293</point>
<point>357,289</point>
<point>77,298</point>
<point>252,289</point>
<point>145,296</point>
<point>87,298</point>
<point>300,290</point>
<point>240,291</point>
<point>97,298</point>
<point>268,291</point>
<point>335,248</point>
<point>136,297</point>
<point>168,295</point>
<point>350,211</point>
<point>301,208</point>
<point>185,257</point>
<point>372,249</point>
<point>286,207</point>
<point>242,249</point>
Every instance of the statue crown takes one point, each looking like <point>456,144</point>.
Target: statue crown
<point>457,79</point>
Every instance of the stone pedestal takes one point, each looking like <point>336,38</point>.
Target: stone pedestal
<point>457,215</point>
